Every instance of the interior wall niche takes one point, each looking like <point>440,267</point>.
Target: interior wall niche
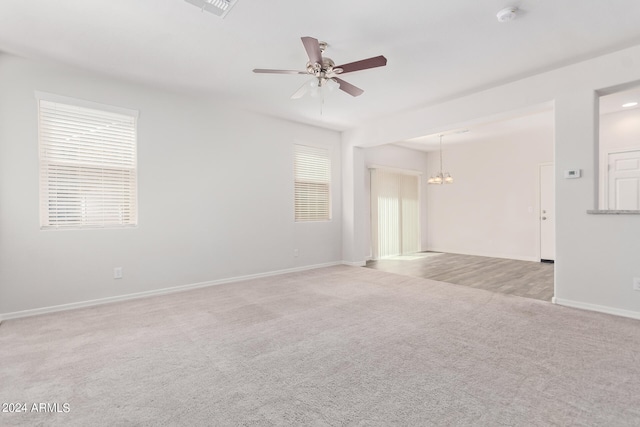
<point>619,150</point>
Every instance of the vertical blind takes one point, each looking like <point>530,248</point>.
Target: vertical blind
<point>312,183</point>
<point>87,167</point>
<point>395,220</point>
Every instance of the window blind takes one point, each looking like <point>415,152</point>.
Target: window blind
<point>395,214</point>
<point>87,167</point>
<point>312,172</point>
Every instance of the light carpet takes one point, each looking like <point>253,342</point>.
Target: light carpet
<point>337,346</point>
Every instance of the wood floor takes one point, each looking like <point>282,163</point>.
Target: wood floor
<point>506,276</point>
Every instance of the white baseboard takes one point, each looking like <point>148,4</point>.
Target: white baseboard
<point>595,307</point>
<point>81,304</point>
<point>355,263</point>
<point>485,254</point>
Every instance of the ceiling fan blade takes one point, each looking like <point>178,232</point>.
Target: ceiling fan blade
<point>376,61</point>
<point>267,71</point>
<point>301,92</point>
<point>312,46</point>
<point>349,88</point>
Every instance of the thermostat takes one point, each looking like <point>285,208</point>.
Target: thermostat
<point>573,173</point>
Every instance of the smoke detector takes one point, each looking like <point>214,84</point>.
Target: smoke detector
<point>507,14</point>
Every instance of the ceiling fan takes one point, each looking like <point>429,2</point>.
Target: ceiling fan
<point>325,70</point>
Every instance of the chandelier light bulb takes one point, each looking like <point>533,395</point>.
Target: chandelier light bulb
<point>441,177</point>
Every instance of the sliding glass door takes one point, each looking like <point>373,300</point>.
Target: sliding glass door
<point>395,217</point>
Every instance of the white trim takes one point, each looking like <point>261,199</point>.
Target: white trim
<point>596,307</point>
<point>90,303</point>
<point>490,255</point>
<point>354,263</point>
<point>52,97</point>
<point>396,170</point>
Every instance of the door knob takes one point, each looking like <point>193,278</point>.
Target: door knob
<point>544,218</point>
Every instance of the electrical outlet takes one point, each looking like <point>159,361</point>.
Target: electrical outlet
<point>295,252</point>
<point>636,283</point>
<point>117,273</point>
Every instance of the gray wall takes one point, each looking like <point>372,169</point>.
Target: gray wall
<point>215,196</point>
<point>492,207</point>
<point>596,256</point>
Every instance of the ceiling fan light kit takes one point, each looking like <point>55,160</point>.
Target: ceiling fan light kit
<point>325,71</point>
<point>316,88</point>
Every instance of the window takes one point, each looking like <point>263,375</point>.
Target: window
<point>312,175</point>
<point>87,164</point>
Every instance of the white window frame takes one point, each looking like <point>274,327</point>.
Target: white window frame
<point>318,176</point>
<point>100,176</point>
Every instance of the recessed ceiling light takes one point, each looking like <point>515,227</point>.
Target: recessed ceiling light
<point>630,104</point>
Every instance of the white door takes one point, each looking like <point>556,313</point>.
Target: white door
<point>624,180</point>
<point>547,213</point>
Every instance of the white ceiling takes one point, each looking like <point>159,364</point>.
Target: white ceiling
<point>436,49</point>
<point>613,103</point>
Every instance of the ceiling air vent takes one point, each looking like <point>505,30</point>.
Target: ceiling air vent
<point>217,7</point>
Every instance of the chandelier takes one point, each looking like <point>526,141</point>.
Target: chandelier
<point>441,177</point>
